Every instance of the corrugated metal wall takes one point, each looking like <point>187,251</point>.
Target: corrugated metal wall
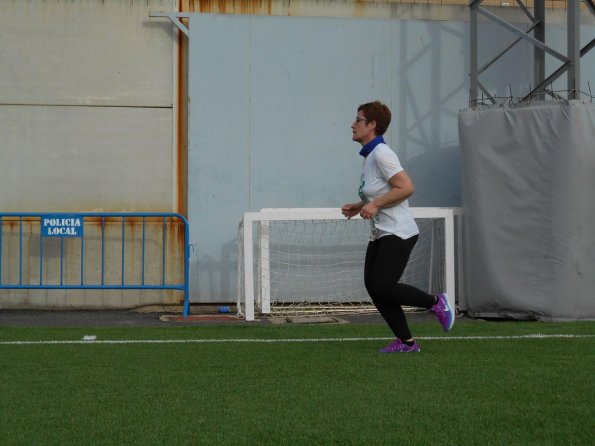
<point>336,8</point>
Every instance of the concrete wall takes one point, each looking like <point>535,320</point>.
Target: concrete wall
<point>86,99</point>
<point>87,119</point>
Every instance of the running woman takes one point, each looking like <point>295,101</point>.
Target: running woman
<point>384,191</point>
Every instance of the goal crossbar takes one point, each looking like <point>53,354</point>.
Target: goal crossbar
<point>300,214</point>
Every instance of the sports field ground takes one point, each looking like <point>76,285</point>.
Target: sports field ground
<point>509,383</point>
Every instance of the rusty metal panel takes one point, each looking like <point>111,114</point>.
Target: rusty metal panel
<point>348,9</point>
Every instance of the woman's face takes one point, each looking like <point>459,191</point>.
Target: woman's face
<point>363,131</point>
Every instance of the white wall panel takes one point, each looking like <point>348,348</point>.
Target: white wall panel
<point>272,100</point>
<point>85,158</point>
<point>85,52</point>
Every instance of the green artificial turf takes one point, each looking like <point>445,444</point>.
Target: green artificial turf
<point>456,391</point>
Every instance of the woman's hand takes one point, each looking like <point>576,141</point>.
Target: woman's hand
<point>351,209</point>
<point>369,211</point>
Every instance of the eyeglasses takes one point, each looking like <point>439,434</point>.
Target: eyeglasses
<point>358,119</point>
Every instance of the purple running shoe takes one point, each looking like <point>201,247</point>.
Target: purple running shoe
<point>443,312</point>
<point>399,347</point>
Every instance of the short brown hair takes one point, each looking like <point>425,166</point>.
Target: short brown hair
<point>377,111</point>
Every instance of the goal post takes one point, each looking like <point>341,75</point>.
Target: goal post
<point>334,251</point>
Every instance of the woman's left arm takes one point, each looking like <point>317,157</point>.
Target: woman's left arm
<point>401,189</point>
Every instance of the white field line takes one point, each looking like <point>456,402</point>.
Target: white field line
<point>292,340</point>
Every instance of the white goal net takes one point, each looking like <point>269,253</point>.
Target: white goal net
<point>296,261</point>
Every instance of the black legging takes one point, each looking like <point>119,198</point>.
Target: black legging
<point>386,259</point>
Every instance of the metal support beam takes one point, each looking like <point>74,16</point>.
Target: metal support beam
<point>574,56</point>
<point>519,32</point>
<point>539,34</point>
<point>540,88</point>
<point>486,92</point>
<point>526,10</point>
<point>504,51</point>
<point>473,65</point>
<point>570,62</point>
<point>175,18</point>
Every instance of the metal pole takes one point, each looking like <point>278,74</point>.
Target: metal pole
<point>574,56</point>
<point>186,266</point>
<point>539,34</point>
<point>473,65</point>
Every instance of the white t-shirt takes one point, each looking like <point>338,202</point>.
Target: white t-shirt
<point>379,166</point>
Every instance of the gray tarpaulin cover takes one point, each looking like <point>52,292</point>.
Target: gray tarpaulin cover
<point>528,176</point>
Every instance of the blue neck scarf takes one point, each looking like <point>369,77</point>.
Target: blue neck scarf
<point>367,148</point>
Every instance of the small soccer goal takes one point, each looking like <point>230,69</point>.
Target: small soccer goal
<point>311,261</point>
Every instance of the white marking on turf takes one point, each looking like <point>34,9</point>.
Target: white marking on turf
<point>292,340</point>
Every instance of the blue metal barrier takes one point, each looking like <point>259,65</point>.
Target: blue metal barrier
<point>63,226</point>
